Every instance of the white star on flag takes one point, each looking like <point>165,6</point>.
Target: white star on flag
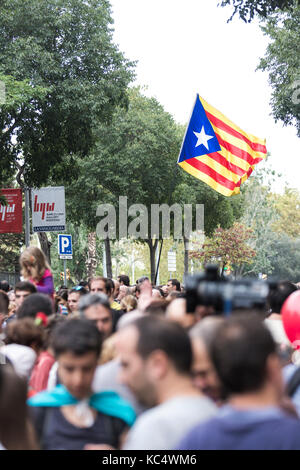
<point>203,138</point>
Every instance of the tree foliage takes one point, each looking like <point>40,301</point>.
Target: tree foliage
<point>61,58</point>
<point>248,9</point>
<point>288,208</point>
<point>282,61</point>
<point>227,247</point>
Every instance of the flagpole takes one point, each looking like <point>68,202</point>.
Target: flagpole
<point>187,127</point>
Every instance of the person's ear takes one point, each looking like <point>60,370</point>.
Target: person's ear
<point>158,364</point>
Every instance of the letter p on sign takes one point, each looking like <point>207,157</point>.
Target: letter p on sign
<point>65,245</point>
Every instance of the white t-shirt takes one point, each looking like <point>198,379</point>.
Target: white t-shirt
<point>162,427</point>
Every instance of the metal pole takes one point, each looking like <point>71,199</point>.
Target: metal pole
<point>65,272</point>
<point>27,217</point>
<point>104,261</point>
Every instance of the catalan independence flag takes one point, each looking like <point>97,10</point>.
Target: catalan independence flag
<point>218,152</point>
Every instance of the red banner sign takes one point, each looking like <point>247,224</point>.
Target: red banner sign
<point>11,215</point>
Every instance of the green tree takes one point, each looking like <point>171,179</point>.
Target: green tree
<point>248,9</point>
<point>288,208</point>
<point>259,213</point>
<point>285,258</point>
<point>282,61</point>
<point>61,53</point>
<point>227,247</point>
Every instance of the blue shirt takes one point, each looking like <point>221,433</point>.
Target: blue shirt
<point>257,429</point>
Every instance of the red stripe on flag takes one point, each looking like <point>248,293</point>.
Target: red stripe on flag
<point>219,158</point>
<point>212,173</point>
<point>236,151</point>
<point>221,124</point>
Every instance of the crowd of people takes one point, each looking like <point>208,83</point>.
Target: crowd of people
<point>111,365</point>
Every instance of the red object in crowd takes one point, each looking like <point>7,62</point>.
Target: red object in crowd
<point>290,313</point>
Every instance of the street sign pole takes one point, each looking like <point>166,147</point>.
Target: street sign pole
<point>65,272</point>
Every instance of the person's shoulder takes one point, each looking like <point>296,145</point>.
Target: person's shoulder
<point>47,273</point>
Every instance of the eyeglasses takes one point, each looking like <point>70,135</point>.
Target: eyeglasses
<point>78,288</point>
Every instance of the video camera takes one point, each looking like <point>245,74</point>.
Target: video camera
<point>210,289</point>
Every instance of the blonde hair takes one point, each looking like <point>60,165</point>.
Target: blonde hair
<point>129,303</point>
<point>33,263</point>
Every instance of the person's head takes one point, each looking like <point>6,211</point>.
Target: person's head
<point>95,307</point>
<point>74,296</point>
<point>157,307</point>
<point>53,321</point>
<point>22,290</point>
<point>16,432</point>
<point>128,303</point>
<point>77,345</point>
<point>100,285</point>
<point>4,285</point>
<point>154,353</point>
<point>204,374</point>
<point>117,289</point>
<point>33,263</point>
<point>26,333</point>
<point>156,294</point>
<point>244,355</point>
<point>173,284</point>
<point>124,280</point>
<point>35,304</point>
<point>279,294</point>
<point>176,311</point>
<point>142,279</point>
<point>123,291</point>
<point>4,302</point>
<point>84,284</point>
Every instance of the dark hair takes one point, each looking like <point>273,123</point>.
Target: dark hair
<point>4,286</point>
<point>27,286</point>
<point>53,321</point>
<point>79,290</point>
<point>83,284</point>
<point>4,302</point>
<point>25,332</point>
<point>108,286</point>
<point>176,283</point>
<point>142,279</point>
<point>34,304</point>
<point>16,431</point>
<point>157,307</point>
<point>78,336</point>
<point>279,294</point>
<point>125,279</point>
<point>159,334</point>
<point>239,351</point>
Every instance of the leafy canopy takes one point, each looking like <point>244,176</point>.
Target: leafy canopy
<point>63,50</point>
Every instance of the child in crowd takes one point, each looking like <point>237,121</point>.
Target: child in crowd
<point>34,267</point>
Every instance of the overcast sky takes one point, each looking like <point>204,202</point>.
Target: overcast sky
<point>187,47</point>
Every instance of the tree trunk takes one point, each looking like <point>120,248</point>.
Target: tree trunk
<point>152,248</point>
<point>45,245</point>
<point>108,258</point>
<point>91,263</point>
<point>186,256</point>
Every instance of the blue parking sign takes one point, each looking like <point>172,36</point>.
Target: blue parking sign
<point>65,245</point>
